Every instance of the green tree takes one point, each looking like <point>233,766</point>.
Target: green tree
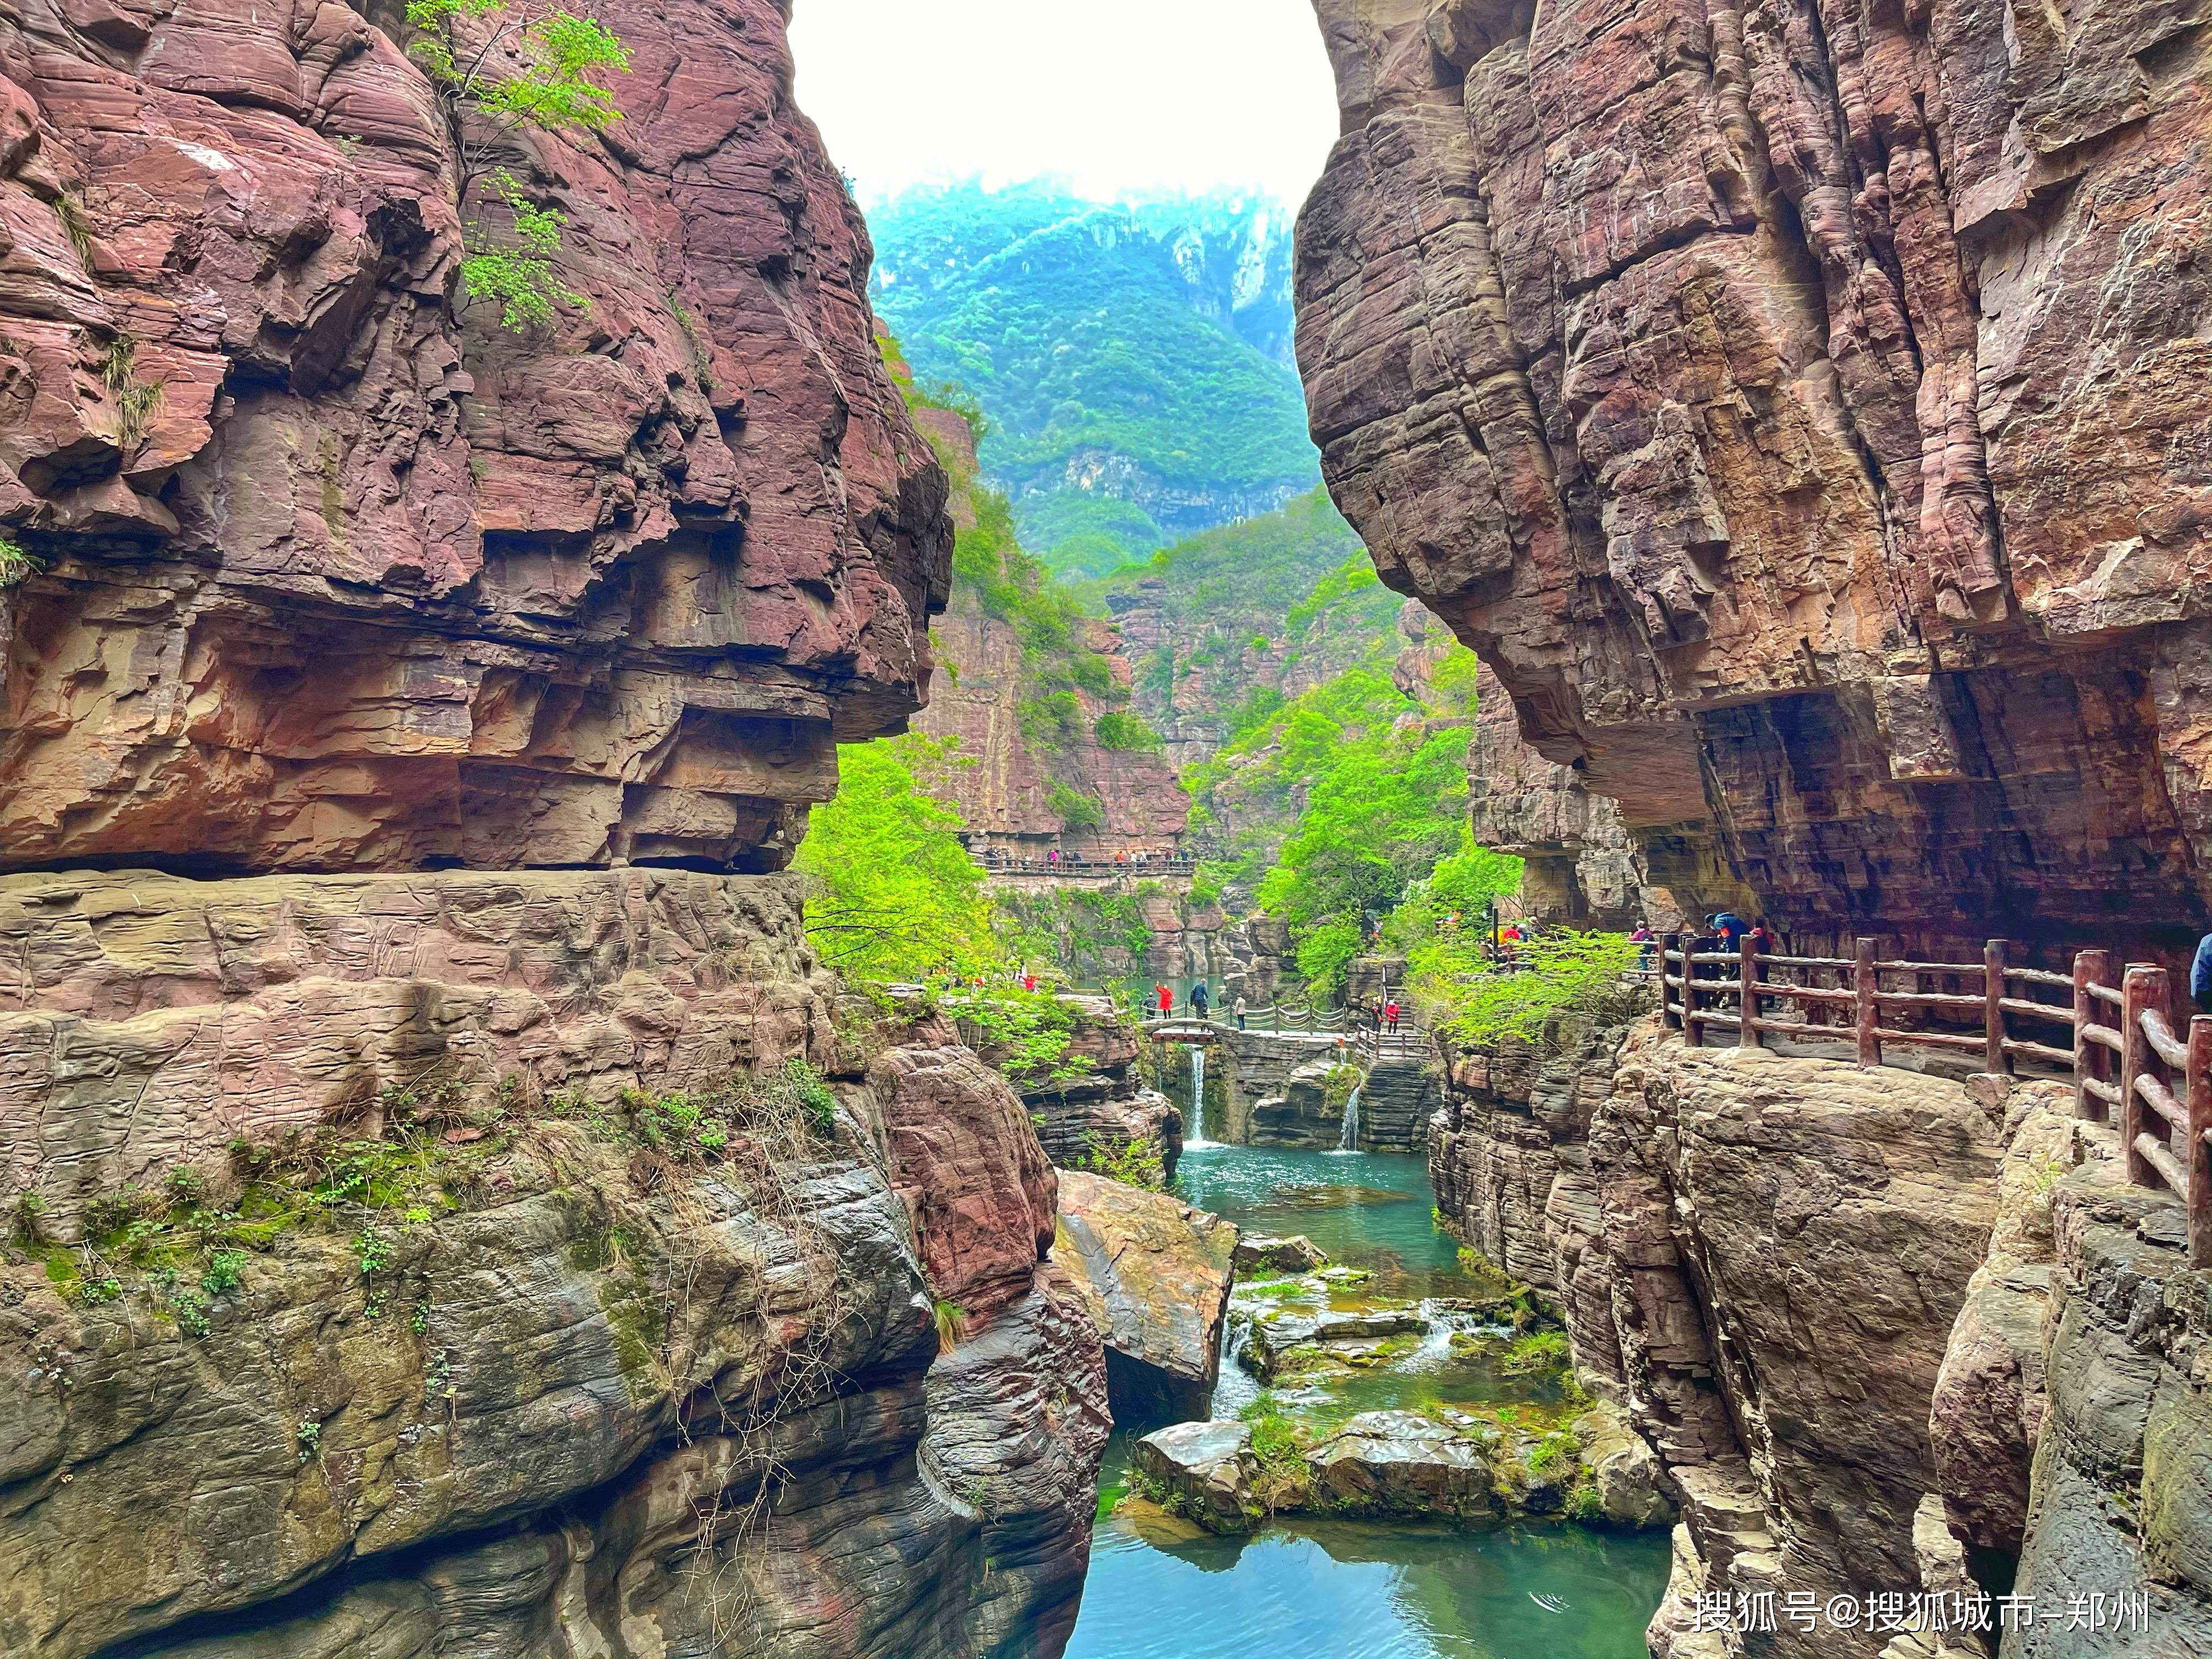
<point>892,893</point>
<point>1458,994</point>
<point>467,48</point>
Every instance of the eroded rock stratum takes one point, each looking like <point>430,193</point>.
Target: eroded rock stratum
<point>344,575</point>
<point>1802,407</point>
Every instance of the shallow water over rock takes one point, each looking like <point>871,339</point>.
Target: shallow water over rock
<point>1309,1588</point>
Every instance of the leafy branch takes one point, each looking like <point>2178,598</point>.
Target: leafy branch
<point>560,54</point>
<point>520,281</point>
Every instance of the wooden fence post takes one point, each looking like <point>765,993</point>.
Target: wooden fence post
<point>2144,988</point>
<point>1747,1033</point>
<point>1865,982</point>
<point>1994,1058</point>
<point>1693,1028</point>
<point>2199,1156</point>
<point>2090,968</point>
<point>1669,1016</point>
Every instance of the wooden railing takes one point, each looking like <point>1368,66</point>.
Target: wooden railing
<point>2122,1048</point>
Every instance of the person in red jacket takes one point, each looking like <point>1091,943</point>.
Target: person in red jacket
<point>1390,1013</point>
<point>1167,999</point>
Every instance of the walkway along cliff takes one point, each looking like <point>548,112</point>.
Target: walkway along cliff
<point>449,1206</point>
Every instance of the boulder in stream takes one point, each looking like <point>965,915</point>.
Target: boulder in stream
<point>1295,1254</point>
<point>1202,1472</point>
<point>1401,1463</point>
<point>1156,1274</point>
<point>1274,1337</point>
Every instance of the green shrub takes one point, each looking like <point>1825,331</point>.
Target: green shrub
<point>1584,1506</point>
<point>16,566</point>
<point>1118,729</point>
<point>1571,972</point>
<point>817,1105</point>
<point>1541,1349</point>
<point>1336,1088</point>
<point>1279,1443</point>
<point>1135,1165</point>
<point>1562,1445</point>
<point>1075,810</point>
<point>186,1185</point>
<point>190,1309</point>
<point>520,280</point>
<point>374,1249</point>
<point>222,1276</point>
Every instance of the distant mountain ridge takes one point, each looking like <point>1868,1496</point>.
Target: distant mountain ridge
<point>1131,360</point>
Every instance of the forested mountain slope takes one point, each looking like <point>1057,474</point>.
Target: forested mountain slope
<point>1131,361</point>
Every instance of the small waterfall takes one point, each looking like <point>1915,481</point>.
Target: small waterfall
<point>1349,1141</point>
<point>1197,1135</point>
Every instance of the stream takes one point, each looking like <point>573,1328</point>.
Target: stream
<point>1308,1588</point>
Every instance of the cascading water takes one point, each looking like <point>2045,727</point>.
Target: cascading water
<point>1349,1141</point>
<point>1197,1135</point>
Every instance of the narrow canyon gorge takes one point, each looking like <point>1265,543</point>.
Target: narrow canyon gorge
<point>465,518</point>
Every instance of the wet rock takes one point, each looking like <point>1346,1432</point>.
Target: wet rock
<point>1279,1342</point>
<point>1400,1463</point>
<point>1156,1274</point>
<point>1302,1115</point>
<point>1202,1472</point>
<point>1298,1255</point>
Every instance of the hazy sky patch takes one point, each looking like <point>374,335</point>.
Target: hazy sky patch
<point>1125,97</point>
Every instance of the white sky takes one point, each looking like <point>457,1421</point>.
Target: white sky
<point>1116,96</point>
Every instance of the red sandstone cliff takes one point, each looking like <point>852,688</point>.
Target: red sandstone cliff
<point>380,583</point>
<point>1004,789</point>
<point>1801,407</point>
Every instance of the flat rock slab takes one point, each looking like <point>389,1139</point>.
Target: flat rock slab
<point>1274,1336</point>
<point>1401,1463</point>
<point>1156,1273</point>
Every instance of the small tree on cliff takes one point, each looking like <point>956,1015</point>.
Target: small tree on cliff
<point>499,68</point>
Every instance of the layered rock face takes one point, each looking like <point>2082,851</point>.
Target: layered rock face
<point>344,575</point>
<point>1759,1260</point>
<point>987,702</point>
<point>1580,867</point>
<point>157,1018</point>
<point>1787,1243</point>
<point>1800,405</point>
<point>2071,1420</point>
<point>654,1393</point>
<point>1105,1114</point>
